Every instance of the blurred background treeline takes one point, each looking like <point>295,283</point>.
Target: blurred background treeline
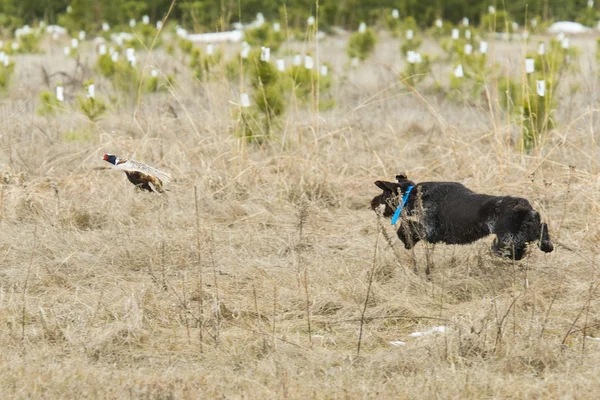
<point>217,15</point>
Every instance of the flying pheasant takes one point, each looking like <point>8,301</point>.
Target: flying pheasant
<point>141,175</point>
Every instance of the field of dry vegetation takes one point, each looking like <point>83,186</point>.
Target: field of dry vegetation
<point>263,273</point>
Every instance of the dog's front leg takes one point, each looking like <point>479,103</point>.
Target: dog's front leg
<point>408,234</point>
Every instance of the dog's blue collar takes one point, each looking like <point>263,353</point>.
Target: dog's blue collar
<point>401,205</point>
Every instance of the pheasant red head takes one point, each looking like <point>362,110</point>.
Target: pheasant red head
<point>111,158</point>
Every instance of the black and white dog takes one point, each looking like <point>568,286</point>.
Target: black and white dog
<point>450,213</point>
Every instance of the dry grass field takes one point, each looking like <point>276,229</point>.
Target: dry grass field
<point>264,270</point>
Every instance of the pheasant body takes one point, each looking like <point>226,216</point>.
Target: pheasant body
<point>141,175</point>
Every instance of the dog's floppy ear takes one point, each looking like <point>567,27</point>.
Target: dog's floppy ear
<point>387,186</point>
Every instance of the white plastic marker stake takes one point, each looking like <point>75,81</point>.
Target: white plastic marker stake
<point>74,43</point>
<point>145,20</point>
<point>297,59</point>
<point>132,23</point>
<point>105,26</point>
<point>67,50</point>
<point>455,34</point>
<point>468,34</point>
<point>412,57</point>
<point>354,62</point>
<point>529,65</point>
<point>245,50</point>
<point>265,54</point>
<point>114,56</point>
<point>245,100</point>
<point>362,28</point>
<point>209,49</point>
<point>492,10</point>
<point>281,64</point>
<point>102,49</point>
<point>410,34</point>
<point>468,49</point>
<point>91,91</point>
<point>541,49</point>
<point>276,26</point>
<point>130,53</point>
<point>60,93</point>
<point>81,35</point>
<point>308,62</point>
<point>439,23</point>
<point>324,70</point>
<point>541,88</point>
<point>310,20</point>
<point>395,14</point>
<point>465,21</point>
<point>458,71</point>
<point>483,47</point>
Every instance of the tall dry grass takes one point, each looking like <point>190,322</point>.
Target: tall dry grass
<point>262,273</point>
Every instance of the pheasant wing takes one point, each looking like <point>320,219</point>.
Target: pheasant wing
<point>135,166</point>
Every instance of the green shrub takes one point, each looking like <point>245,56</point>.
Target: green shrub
<point>537,113</point>
<point>410,45</point>
<point>6,73</point>
<point>77,136</point>
<point>269,100</point>
<point>361,45</point>
<point>440,32</point>
<point>501,21</point>
<point>237,65</point>
<point>10,22</point>
<point>105,65</point>
<point>264,36</point>
<point>587,16</point>
<point>304,82</point>
<point>91,107</point>
<point>29,43</point>
<point>185,46</point>
<point>49,104</point>
<point>416,71</point>
<point>392,24</point>
<point>471,86</point>
<point>145,35</point>
<point>409,23</point>
<point>126,78</point>
<point>157,83</point>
